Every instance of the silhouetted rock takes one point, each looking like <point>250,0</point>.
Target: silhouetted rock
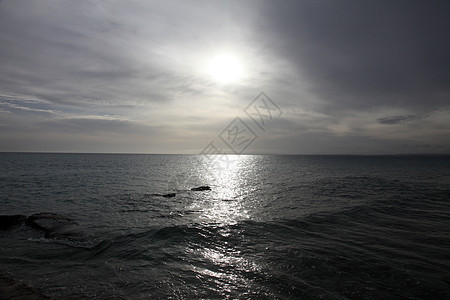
<point>169,195</point>
<point>201,188</point>
<point>7,221</point>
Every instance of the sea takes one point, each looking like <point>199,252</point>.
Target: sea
<point>270,227</point>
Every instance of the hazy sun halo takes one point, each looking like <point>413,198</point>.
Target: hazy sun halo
<point>225,68</point>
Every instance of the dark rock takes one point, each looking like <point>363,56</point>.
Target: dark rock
<point>169,195</point>
<point>12,220</point>
<point>201,188</point>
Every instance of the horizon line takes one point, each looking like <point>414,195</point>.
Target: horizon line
<point>261,154</point>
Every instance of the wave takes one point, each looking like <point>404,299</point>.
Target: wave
<point>83,244</point>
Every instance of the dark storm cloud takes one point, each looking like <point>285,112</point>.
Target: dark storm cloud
<point>362,54</point>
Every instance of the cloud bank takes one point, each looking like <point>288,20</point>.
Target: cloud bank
<point>114,76</point>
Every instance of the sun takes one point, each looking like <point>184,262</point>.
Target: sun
<point>225,68</point>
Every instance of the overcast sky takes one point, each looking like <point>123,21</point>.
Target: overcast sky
<point>348,77</point>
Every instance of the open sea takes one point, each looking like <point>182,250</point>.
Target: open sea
<point>271,227</point>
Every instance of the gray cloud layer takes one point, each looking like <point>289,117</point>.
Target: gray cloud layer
<point>362,54</point>
<point>397,119</point>
<point>114,76</point>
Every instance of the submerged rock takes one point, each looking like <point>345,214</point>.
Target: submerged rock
<point>48,221</point>
<point>54,225</point>
<point>7,221</point>
<point>201,188</point>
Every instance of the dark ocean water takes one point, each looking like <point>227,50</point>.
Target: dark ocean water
<point>272,227</point>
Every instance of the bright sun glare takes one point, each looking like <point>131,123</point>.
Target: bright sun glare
<point>225,68</point>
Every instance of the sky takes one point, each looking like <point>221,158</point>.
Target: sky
<point>246,77</point>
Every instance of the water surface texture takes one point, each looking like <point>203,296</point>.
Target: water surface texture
<point>272,227</point>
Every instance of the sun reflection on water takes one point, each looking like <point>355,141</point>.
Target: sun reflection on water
<point>218,256</point>
<point>226,270</point>
<point>232,178</point>
<point>222,263</point>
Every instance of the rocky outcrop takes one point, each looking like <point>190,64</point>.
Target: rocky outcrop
<point>201,188</point>
<point>7,222</point>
